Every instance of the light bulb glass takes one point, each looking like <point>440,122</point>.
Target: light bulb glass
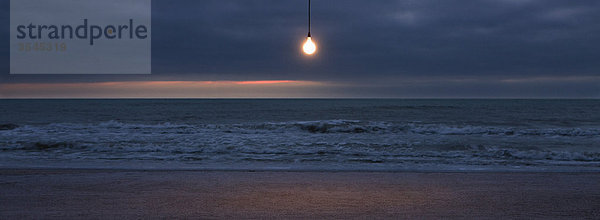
<point>309,47</point>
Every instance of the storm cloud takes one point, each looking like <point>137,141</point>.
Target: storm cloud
<point>384,48</point>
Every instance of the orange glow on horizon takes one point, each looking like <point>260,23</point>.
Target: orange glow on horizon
<point>154,83</point>
<point>265,82</point>
<point>256,88</point>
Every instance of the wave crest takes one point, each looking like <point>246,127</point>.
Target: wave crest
<point>355,126</point>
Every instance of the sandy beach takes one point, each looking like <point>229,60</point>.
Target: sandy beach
<point>70,194</point>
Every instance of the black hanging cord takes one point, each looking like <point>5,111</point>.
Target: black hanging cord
<point>308,18</point>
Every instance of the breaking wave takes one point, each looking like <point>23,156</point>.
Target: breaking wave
<point>327,126</point>
<point>328,142</point>
<point>354,126</point>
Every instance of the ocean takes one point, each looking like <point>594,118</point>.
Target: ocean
<point>302,134</point>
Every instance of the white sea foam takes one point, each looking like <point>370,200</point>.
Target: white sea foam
<point>330,142</point>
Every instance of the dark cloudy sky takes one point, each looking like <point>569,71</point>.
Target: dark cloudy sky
<point>383,48</point>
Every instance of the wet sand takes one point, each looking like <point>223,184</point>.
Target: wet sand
<point>76,194</point>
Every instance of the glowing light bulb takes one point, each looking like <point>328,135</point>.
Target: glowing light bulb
<point>309,47</point>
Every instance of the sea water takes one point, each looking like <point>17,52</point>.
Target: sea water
<point>302,134</point>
